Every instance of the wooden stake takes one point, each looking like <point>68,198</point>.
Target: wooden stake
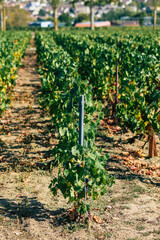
<point>152,145</point>
<point>155,147</point>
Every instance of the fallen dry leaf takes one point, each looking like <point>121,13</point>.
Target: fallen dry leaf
<point>115,156</point>
<point>138,153</point>
<point>20,196</point>
<point>19,140</point>
<point>72,213</point>
<point>133,168</point>
<point>23,162</point>
<point>97,219</point>
<point>125,153</point>
<point>101,237</point>
<point>108,208</point>
<point>96,208</point>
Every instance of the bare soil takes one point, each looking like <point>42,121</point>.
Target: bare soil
<point>25,136</point>
<point>129,211</point>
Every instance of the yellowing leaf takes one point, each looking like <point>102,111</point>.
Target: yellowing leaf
<point>98,219</point>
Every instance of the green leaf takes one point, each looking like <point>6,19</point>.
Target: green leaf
<point>101,115</point>
<point>74,150</point>
<point>86,51</point>
<point>72,192</point>
<point>62,131</point>
<point>92,156</point>
<point>66,172</point>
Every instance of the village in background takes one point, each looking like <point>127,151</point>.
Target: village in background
<point>20,14</point>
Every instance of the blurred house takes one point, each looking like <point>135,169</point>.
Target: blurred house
<point>132,23</point>
<point>96,24</point>
<point>43,24</point>
<point>127,21</point>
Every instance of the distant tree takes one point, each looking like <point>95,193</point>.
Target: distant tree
<point>141,15</point>
<point>92,4</point>
<point>17,17</point>
<point>3,15</point>
<point>50,19</point>
<point>54,4</point>
<point>81,18</point>
<point>42,13</point>
<point>66,18</point>
<point>120,4</point>
<point>116,14</point>
<point>154,4</point>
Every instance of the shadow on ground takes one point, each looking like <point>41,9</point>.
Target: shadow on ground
<point>31,208</point>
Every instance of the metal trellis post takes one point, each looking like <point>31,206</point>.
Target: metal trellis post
<point>81,120</point>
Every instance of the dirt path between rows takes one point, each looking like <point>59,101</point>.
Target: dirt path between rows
<point>130,210</point>
<point>24,131</point>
